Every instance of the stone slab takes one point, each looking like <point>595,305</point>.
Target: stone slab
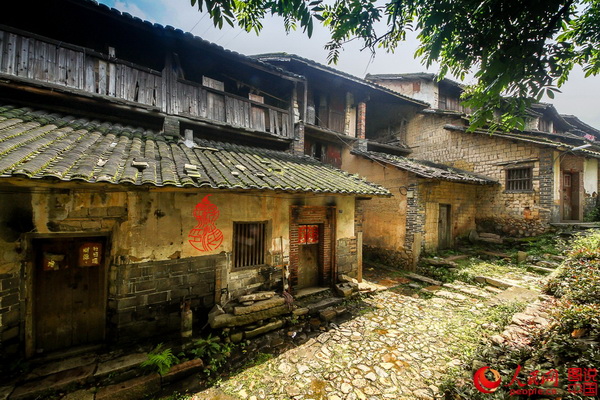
<point>494,282</point>
<point>516,293</point>
<point>62,365</point>
<point>54,382</point>
<point>323,304</point>
<point>422,278</point>
<point>259,306</point>
<point>80,395</point>
<point>134,389</point>
<point>230,320</point>
<point>263,329</point>
<point>121,364</point>
<point>256,296</point>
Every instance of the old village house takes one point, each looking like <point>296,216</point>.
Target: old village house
<point>141,168</point>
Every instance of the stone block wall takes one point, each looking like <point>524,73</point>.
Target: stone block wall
<point>346,254</point>
<point>145,298</point>
<point>490,156</point>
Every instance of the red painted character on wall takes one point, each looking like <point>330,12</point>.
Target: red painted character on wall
<point>206,236</point>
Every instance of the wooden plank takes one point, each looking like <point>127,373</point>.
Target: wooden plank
<point>38,58</point>
<point>230,111</point>
<point>80,71</point>
<point>272,118</point>
<point>285,125</point>
<point>61,78</point>
<point>258,119</point>
<point>112,79</point>
<point>50,66</point>
<point>102,77</point>
<point>90,81</point>
<point>202,103</point>
<point>2,51</point>
<point>11,54</point>
<point>72,71</point>
<point>23,57</point>
<point>246,115</point>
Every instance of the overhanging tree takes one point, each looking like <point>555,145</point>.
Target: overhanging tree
<point>519,50</point>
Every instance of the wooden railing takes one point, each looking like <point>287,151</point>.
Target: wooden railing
<point>41,59</point>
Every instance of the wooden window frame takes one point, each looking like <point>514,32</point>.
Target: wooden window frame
<point>519,180</point>
<point>249,258</point>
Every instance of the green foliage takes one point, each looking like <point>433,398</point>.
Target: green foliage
<point>570,340</point>
<point>212,351</point>
<point>578,279</point>
<point>160,360</point>
<point>518,53</point>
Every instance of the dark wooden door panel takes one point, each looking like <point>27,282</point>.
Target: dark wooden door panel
<point>69,296</point>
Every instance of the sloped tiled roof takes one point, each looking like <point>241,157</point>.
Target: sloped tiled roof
<point>286,57</point>
<point>540,139</point>
<point>428,169</point>
<point>38,144</point>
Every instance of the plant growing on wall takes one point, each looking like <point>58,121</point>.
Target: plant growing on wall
<point>160,360</point>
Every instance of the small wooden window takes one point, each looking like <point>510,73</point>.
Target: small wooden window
<point>519,179</point>
<point>249,244</point>
<point>567,180</point>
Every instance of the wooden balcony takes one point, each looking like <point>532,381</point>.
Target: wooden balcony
<point>32,58</point>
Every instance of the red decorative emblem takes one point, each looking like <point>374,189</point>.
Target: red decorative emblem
<point>206,236</point>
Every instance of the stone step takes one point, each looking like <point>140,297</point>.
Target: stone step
<point>314,308</point>
<point>417,277</point>
<point>59,381</point>
<point>541,269</point>
<point>467,289</point>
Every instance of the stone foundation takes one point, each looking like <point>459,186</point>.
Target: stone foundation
<point>397,259</point>
<point>146,298</point>
<point>513,227</point>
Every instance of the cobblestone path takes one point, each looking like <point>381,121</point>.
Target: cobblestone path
<point>399,348</point>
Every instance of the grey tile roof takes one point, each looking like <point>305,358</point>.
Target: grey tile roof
<point>541,139</point>
<point>428,169</point>
<point>38,144</point>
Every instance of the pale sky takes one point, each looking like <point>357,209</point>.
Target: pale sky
<point>578,97</point>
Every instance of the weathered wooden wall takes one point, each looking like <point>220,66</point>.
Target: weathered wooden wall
<point>56,63</point>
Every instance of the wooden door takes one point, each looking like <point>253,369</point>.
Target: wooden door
<point>567,198</point>
<point>69,292</point>
<point>570,196</point>
<point>309,257</point>
<point>444,224</point>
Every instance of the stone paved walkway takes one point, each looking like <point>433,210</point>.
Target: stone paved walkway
<point>399,349</point>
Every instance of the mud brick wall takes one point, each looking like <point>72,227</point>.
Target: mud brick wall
<point>145,298</point>
<point>463,201</point>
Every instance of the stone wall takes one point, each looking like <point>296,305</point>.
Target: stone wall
<point>145,299</point>
<point>347,260</point>
<point>490,156</point>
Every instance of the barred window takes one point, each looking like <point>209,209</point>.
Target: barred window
<point>519,179</point>
<point>249,243</point>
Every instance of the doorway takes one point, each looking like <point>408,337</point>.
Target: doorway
<point>69,285</point>
<point>308,257</point>
<point>444,224</point>
<point>570,196</point>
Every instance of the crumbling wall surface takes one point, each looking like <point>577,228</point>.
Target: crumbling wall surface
<point>16,219</point>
